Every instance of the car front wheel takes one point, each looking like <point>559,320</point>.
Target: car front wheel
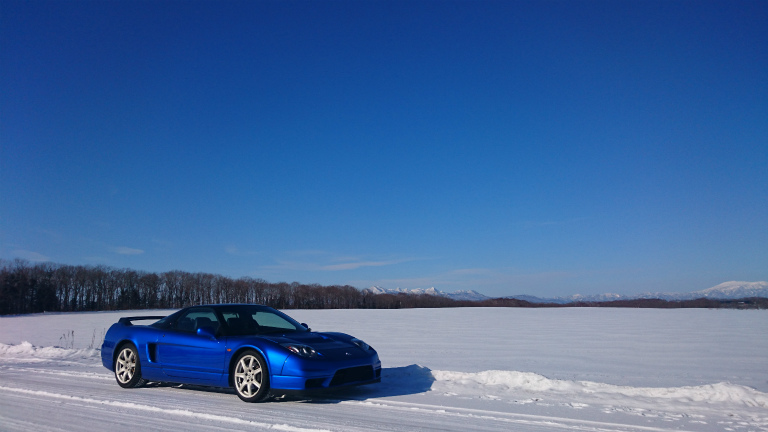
<point>251,378</point>
<point>128,367</point>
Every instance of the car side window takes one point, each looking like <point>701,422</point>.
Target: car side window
<point>196,318</point>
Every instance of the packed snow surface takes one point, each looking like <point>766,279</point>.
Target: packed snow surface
<point>444,369</point>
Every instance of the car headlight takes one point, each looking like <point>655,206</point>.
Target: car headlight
<point>363,346</point>
<point>301,350</point>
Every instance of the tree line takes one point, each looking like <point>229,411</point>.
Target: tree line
<point>48,287</point>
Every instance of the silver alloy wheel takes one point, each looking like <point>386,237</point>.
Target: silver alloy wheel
<point>125,366</point>
<point>248,376</point>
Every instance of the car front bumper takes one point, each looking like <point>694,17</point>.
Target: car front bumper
<point>300,374</point>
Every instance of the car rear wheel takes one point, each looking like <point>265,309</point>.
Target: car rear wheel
<point>128,368</point>
<point>251,377</point>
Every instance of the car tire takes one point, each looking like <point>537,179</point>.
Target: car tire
<point>128,367</point>
<point>250,377</point>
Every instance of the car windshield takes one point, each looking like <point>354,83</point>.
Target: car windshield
<point>245,320</point>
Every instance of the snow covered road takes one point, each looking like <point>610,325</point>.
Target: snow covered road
<point>47,388</point>
<point>75,397</point>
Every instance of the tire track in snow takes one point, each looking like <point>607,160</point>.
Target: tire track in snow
<point>86,375</point>
<point>164,411</point>
<point>527,419</point>
<point>424,411</point>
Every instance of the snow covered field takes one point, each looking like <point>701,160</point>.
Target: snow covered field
<point>590,369</point>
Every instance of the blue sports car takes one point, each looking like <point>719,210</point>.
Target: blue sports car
<point>255,349</point>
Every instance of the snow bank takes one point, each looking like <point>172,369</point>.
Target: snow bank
<point>27,351</point>
<point>496,382</point>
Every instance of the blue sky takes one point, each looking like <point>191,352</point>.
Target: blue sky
<point>544,147</point>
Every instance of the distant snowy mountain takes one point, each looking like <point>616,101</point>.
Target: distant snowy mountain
<point>726,290</point>
<point>470,295</point>
<point>735,290</point>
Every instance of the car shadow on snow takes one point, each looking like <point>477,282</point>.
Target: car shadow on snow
<point>155,384</point>
<point>396,381</point>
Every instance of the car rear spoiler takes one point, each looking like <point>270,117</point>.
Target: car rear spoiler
<point>127,321</point>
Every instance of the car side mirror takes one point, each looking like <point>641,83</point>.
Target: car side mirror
<point>306,326</point>
<point>207,331</point>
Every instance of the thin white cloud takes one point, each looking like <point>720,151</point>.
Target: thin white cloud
<point>122,250</point>
<point>315,260</point>
<point>31,256</point>
<point>358,264</point>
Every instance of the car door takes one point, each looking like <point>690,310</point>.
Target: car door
<point>182,353</point>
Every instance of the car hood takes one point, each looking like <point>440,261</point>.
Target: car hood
<point>325,344</point>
